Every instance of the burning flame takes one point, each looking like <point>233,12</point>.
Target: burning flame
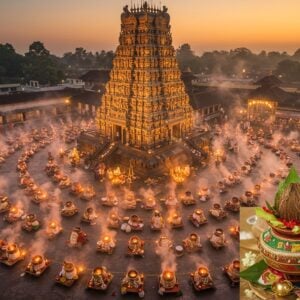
<point>180,173</point>
<point>168,275</point>
<point>116,176</point>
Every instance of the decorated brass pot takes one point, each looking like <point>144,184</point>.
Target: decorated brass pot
<point>280,250</point>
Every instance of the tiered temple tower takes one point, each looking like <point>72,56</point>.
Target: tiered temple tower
<point>145,104</point>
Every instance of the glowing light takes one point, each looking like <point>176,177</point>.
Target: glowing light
<point>180,173</point>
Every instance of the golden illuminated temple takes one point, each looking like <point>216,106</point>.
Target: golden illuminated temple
<point>145,104</point>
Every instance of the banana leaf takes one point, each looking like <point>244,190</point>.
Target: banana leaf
<point>265,215</point>
<point>254,272</point>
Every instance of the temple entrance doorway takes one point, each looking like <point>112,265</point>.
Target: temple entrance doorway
<point>176,131</point>
<point>118,133</point>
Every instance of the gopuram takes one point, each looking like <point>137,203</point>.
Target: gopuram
<point>145,111</point>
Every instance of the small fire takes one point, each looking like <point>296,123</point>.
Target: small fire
<point>134,240</point>
<point>180,173</point>
<point>53,225</point>
<point>12,248</point>
<point>37,259</point>
<point>116,176</point>
<point>132,274</point>
<point>14,210</point>
<point>236,264</point>
<point>203,271</point>
<point>98,271</point>
<point>168,275</point>
<point>106,239</point>
<point>80,269</point>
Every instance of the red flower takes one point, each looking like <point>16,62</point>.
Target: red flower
<point>290,224</point>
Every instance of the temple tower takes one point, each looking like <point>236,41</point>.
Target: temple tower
<point>145,104</point>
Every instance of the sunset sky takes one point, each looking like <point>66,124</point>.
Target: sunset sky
<point>206,24</point>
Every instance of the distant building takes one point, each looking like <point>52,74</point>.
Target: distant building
<point>73,83</point>
<point>9,88</point>
<point>96,79</point>
<point>24,106</point>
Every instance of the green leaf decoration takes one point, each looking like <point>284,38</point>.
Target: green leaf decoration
<point>277,224</point>
<point>265,215</point>
<point>296,229</point>
<point>254,272</point>
<point>292,177</point>
<point>269,206</point>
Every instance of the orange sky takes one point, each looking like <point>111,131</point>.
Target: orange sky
<point>207,25</point>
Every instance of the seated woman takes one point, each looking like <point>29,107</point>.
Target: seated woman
<point>204,194</point>
<point>110,200</point>
<point>101,279</point>
<point>11,254</point>
<point>217,239</point>
<point>222,188</point>
<point>248,199</point>
<point>113,219</point>
<point>58,177</point>
<point>218,212</point>
<point>76,189</point>
<point>201,279</point>
<point>198,218</point>
<point>233,204</point>
<point>192,243</point>
<point>68,274</point>
<point>39,196</point>
<point>65,182</point>
<point>133,282</point>
<point>229,181</point>
<point>245,170</point>
<point>88,193</point>
<point>31,189</point>
<point>77,238</point>
<point>37,265</point>
<point>4,204</point>
<point>187,198</point>
<point>69,209</point>
<point>14,214</point>
<point>89,216</point>
<point>31,223</point>
<point>149,203</point>
<point>163,245</point>
<point>237,177</point>
<point>175,220</point>
<point>53,229</point>
<point>136,246</point>
<point>129,201</point>
<point>233,271</point>
<point>157,221</point>
<point>168,283</point>
<point>133,223</point>
<point>171,201</point>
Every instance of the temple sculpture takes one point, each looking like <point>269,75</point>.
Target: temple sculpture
<point>145,105</point>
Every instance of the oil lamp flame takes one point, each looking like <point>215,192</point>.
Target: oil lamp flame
<point>203,271</point>
<point>132,274</point>
<point>168,275</point>
<point>106,238</point>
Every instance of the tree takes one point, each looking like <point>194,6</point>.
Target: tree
<point>187,59</point>
<point>37,49</point>
<point>297,54</point>
<point>10,64</point>
<point>40,65</point>
<point>289,70</point>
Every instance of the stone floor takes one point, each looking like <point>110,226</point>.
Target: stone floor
<point>14,286</point>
